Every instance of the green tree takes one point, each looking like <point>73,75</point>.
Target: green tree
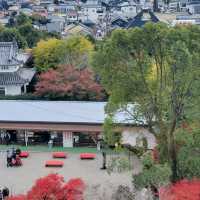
<point>72,51</point>
<point>77,50</point>
<point>111,137</point>
<point>12,34</point>
<point>155,175</point>
<point>22,19</point>
<point>48,54</point>
<point>157,69</point>
<point>31,35</point>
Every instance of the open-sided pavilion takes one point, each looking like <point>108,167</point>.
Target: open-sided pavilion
<point>61,118</point>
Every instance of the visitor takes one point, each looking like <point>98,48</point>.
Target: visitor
<point>7,138</point>
<point>9,157</point>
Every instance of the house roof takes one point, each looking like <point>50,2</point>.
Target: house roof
<point>77,29</point>
<point>77,112</point>
<point>119,22</point>
<point>20,77</point>
<point>8,54</point>
<point>142,18</point>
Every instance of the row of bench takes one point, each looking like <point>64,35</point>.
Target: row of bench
<point>60,155</point>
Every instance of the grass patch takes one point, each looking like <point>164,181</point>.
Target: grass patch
<point>44,148</point>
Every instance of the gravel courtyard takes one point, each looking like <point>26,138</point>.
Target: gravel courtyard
<point>100,185</point>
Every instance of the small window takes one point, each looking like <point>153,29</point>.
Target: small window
<point>2,91</point>
<point>4,68</point>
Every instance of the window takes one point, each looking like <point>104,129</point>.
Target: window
<point>4,68</point>
<point>2,91</point>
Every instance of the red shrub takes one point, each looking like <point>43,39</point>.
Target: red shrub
<point>53,187</point>
<point>73,190</point>
<point>182,190</point>
<point>19,197</point>
<point>70,81</point>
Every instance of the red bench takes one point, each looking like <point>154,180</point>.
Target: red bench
<point>54,163</point>
<point>87,156</point>
<point>59,155</point>
<point>24,154</point>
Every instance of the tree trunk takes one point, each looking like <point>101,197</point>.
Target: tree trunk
<point>172,152</point>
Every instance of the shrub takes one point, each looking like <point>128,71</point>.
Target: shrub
<point>182,190</point>
<point>154,175</point>
<point>188,153</point>
<point>53,187</point>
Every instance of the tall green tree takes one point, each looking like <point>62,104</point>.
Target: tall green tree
<point>72,51</point>
<point>22,19</point>
<point>156,68</point>
<point>48,54</point>
<point>12,34</point>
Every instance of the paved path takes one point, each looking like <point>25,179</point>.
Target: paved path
<point>20,179</point>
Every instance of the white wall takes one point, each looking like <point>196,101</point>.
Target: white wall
<point>67,139</point>
<point>130,135</point>
<point>90,13</point>
<point>13,89</point>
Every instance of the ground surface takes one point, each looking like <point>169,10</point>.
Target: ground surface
<point>100,185</point>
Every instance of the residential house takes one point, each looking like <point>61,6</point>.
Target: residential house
<point>126,9</point>
<point>72,16</point>
<point>193,7</point>
<point>142,18</point>
<point>77,29</point>
<point>62,9</point>
<point>56,24</point>
<point>119,22</point>
<point>92,10</point>
<point>14,77</point>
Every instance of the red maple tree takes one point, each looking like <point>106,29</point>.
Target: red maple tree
<point>53,187</point>
<point>69,81</point>
<point>182,190</point>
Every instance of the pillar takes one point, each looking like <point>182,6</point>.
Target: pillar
<point>67,139</point>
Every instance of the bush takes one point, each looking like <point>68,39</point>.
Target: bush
<point>119,164</point>
<point>54,187</point>
<point>182,190</point>
<point>188,154</point>
<point>152,175</point>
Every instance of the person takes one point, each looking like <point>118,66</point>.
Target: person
<point>103,147</point>
<point>18,151</point>
<point>4,192</point>
<point>2,136</point>
<point>9,157</point>
<point>7,138</point>
<point>104,160</point>
<point>98,146</point>
<point>18,161</point>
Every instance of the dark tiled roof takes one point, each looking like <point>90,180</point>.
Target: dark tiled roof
<point>19,77</point>
<point>138,20</point>
<point>8,54</point>
<point>119,22</point>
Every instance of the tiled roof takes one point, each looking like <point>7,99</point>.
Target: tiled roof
<point>8,54</point>
<point>138,20</point>
<point>20,77</point>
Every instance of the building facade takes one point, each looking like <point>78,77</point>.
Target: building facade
<point>14,78</point>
